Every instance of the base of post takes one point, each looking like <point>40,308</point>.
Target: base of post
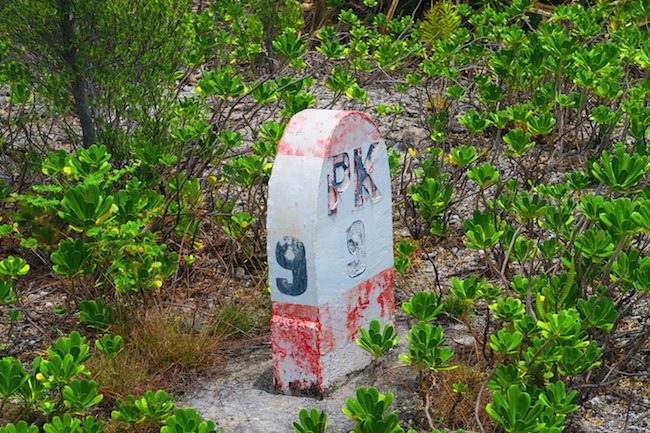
<point>295,333</point>
<point>314,347</point>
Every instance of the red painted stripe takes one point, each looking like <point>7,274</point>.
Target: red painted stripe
<point>295,311</point>
<point>359,300</point>
<point>295,331</point>
<point>303,333</point>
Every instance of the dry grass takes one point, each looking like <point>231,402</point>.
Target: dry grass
<point>456,411</point>
<point>162,351</point>
<point>168,348</point>
<point>119,376</point>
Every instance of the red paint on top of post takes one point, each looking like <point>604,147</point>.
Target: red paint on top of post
<point>322,133</point>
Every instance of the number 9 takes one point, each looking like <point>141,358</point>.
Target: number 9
<point>290,254</point>
<point>357,247</point>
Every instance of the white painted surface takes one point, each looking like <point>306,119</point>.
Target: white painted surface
<point>347,243</point>
<point>331,252</point>
<point>292,198</point>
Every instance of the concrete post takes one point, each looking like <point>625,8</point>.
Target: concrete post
<point>330,247</point>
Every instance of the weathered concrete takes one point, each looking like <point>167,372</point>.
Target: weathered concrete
<point>329,245</point>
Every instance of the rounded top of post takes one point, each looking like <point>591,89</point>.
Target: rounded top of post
<point>322,133</point>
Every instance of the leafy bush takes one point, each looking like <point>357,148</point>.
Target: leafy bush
<point>100,238</point>
<point>54,388</point>
<point>536,158</point>
<point>99,66</point>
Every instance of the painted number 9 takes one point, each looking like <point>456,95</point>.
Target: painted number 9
<point>290,254</point>
<point>357,247</point>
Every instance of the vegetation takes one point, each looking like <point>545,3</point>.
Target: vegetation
<point>137,139</point>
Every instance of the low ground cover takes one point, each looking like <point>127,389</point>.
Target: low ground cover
<point>134,178</point>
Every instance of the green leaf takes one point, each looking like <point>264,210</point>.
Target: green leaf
<point>482,232</point>
<point>187,421</point>
<point>79,395</point>
<point>484,175</point>
<point>620,171</point>
<point>508,309</point>
<point>540,124</point>
<point>369,410</point>
<point>314,421</point>
<point>91,164</point>
<point>507,343</point>
<point>72,258</point>
<point>423,306</point>
<point>376,341</point>
<point>425,349</point>
<point>474,121</point>
<point>12,377</point>
<point>85,206</point>
<point>67,424</point>
<point>463,156</point>
<point>599,312</point>
<point>110,345</point>
<point>19,427</point>
<point>514,411</point>
<point>13,267</point>
<point>518,143</point>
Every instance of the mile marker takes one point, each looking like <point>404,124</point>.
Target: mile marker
<point>330,247</point>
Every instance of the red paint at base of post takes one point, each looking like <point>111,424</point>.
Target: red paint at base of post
<point>359,300</point>
<point>301,335</point>
<point>295,331</point>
